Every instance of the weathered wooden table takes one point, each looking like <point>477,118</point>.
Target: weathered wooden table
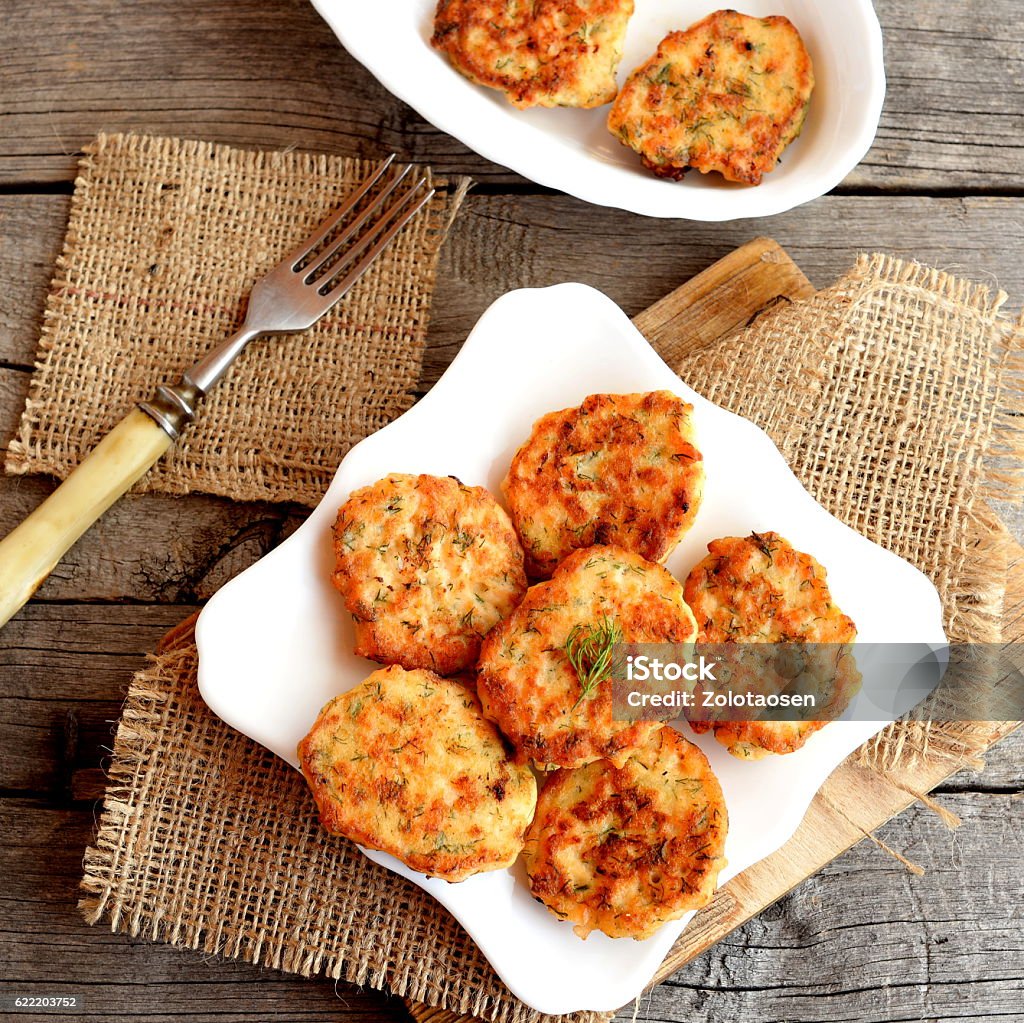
<point>944,182</point>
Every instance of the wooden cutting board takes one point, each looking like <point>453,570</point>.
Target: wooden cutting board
<point>725,298</point>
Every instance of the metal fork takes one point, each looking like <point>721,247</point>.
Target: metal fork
<point>290,298</point>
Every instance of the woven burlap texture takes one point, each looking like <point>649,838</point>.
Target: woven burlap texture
<point>895,396</point>
<point>884,392</point>
<point>165,239</point>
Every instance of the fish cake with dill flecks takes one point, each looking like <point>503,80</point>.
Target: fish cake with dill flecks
<point>760,589</point>
<point>405,762</point>
<point>727,95</point>
<point>427,565</point>
<point>550,53</point>
<point>544,675</point>
<point>620,469</point>
<point>625,849</point>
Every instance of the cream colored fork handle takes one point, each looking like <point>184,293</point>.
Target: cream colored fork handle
<point>30,552</point>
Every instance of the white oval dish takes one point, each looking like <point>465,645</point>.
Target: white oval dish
<point>573,151</point>
<point>275,643</point>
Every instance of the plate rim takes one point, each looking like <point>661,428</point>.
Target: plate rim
<point>577,185</point>
<point>437,394</point>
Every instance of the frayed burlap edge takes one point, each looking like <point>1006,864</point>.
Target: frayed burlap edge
<point>981,586</point>
<point>973,595</point>
<point>155,695</point>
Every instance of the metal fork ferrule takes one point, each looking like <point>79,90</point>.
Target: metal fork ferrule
<point>173,408</point>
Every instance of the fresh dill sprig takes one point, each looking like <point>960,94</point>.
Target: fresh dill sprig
<point>767,544</point>
<point>589,650</point>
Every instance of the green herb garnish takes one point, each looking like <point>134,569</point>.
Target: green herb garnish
<point>765,545</point>
<point>589,650</point>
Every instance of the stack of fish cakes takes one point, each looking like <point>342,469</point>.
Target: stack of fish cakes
<point>442,772</point>
<point>406,762</point>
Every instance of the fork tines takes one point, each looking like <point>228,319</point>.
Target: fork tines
<point>348,241</point>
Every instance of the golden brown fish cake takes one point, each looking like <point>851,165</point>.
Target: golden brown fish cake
<point>620,469</point>
<point>624,850</point>
<point>727,95</point>
<point>427,566</point>
<point>760,589</point>
<point>525,679</point>
<point>551,53</point>
<point>406,762</point>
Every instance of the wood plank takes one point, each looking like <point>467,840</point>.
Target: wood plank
<point>503,242</point>
<point>637,261</point>
<point>46,948</point>
<point>863,939</point>
<point>70,667</point>
<point>950,110</point>
<point>265,73</point>
<point>31,235</point>
<point>705,310</point>
<point>146,549</point>
<point>155,548</point>
<point>269,73</point>
<point>64,671</point>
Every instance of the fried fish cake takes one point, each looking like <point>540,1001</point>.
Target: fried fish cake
<point>625,849</point>
<point>620,469</point>
<point>550,53</point>
<point>760,589</point>
<point>405,762</point>
<point>427,565</point>
<point>727,95</point>
<point>558,714</point>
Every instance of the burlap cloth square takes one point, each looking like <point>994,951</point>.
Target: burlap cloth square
<point>894,396</point>
<point>165,240</point>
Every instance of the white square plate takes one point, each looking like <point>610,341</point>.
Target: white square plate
<point>275,643</point>
<point>573,151</point>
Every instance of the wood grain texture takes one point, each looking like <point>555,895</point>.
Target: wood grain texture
<point>269,73</point>
<point>63,672</point>
<point>860,941</point>
<point>149,549</point>
<point>31,234</point>
<point>837,944</point>
<point>723,299</point>
<point>504,241</point>
<point>59,737</point>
